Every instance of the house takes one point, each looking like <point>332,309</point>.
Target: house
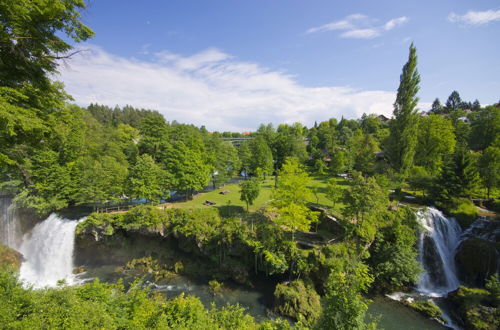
<point>383,119</point>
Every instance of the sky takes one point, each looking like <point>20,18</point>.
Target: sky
<point>232,65</point>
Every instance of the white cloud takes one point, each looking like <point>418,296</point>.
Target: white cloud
<point>359,26</point>
<point>361,34</point>
<point>475,17</point>
<point>395,22</point>
<point>212,88</point>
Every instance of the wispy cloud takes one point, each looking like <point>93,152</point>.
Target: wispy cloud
<point>359,26</point>
<point>475,17</point>
<point>212,88</point>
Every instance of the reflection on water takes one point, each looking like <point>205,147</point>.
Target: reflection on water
<point>254,301</point>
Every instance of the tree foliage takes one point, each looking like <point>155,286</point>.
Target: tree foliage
<point>402,141</point>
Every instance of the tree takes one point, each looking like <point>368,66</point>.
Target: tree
<point>344,306</point>
<point>458,177</point>
<point>145,179</point>
<point>364,202</point>
<point>394,253</point>
<point>403,128</point>
<point>223,159</point>
<point>290,198</point>
<point>436,140</point>
<point>454,101</point>
<point>261,156</point>
<point>100,180</point>
<point>34,37</point>
<point>339,162</point>
<point>485,128</point>
<point>333,191</point>
<point>476,106</point>
<point>362,148</point>
<point>436,107</point>
<point>186,169</point>
<point>249,191</point>
<point>245,155</point>
<point>489,168</point>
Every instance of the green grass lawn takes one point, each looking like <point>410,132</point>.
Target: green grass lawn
<point>232,199</point>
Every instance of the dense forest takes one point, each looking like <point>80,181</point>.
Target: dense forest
<point>56,155</point>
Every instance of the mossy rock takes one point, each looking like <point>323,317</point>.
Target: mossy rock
<point>298,301</point>
<point>427,308</point>
<point>476,260</point>
<point>10,259</point>
<point>476,307</point>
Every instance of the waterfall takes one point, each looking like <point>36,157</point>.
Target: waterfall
<point>48,252</point>
<point>9,224</point>
<point>439,238</point>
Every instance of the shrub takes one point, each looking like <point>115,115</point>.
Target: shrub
<point>298,301</point>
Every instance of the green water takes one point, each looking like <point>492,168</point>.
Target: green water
<point>258,301</point>
<point>393,316</point>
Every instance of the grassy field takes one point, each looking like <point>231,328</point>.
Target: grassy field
<point>232,199</point>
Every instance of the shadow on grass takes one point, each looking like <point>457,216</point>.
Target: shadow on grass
<point>227,211</point>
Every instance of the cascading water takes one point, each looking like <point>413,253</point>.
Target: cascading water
<point>438,240</point>
<point>48,252</point>
<point>9,224</point>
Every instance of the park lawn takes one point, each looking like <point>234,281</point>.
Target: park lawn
<point>233,197</point>
<point>230,199</point>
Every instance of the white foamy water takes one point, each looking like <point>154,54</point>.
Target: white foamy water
<point>438,241</point>
<point>48,252</point>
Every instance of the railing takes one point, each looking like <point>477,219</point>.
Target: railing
<point>110,209</point>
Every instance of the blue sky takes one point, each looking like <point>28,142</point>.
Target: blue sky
<point>235,64</point>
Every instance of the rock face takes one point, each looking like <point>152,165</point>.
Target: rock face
<point>431,258</point>
<point>10,258</point>
<point>478,255</point>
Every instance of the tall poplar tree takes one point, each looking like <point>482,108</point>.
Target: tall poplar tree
<point>403,128</point>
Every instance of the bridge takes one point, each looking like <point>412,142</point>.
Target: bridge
<point>237,141</point>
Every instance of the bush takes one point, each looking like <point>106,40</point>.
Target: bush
<point>298,301</point>
<point>96,305</point>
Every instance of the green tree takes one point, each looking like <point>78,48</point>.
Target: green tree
<point>489,168</point>
<point>485,128</point>
<point>364,202</point>
<point>186,169</point>
<point>34,36</point>
<point>436,140</point>
<point>261,156</point>
<point>290,198</point>
<point>362,148</point>
<point>245,155</point>
<point>454,101</point>
<point>458,177</point>
<point>436,107</point>
<point>145,179</point>
<point>339,162</point>
<point>333,191</point>
<point>344,306</point>
<point>223,160</point>
<point>249,191</point>
<point>101,180</point>
<point>402,141</point>
<point>394,253</point>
